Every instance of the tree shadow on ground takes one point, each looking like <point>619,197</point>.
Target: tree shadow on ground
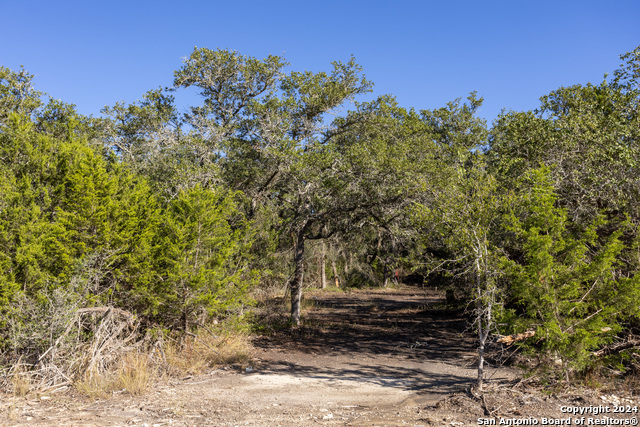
<point>405,339</point>
<point>405,324</point>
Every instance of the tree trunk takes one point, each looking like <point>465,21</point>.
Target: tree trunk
<point>481,366</point>
<point>386,275</point>
<point>335,273</point>
<point>185,312</point>
<point>484,323</point>
<point>482,336</point>
<point>298,275</point>
<point>484,309</point>
<point>346,263</point>
<point>323,270</point>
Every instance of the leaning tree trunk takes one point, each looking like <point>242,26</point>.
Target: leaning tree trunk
<point>298,274</point>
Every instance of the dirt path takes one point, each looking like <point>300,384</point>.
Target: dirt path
<point>366,358</point>
<point>391,339</point>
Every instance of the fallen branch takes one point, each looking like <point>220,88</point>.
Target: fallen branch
<point>56,387</point>
<point>510,339</point>
<point>617,347</point>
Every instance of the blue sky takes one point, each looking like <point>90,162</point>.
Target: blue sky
<point>426,53</point>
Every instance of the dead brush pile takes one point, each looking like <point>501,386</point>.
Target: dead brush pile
<point>104,349</point>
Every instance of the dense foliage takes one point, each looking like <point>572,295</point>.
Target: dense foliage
<point>175,217</point>
<point>79,229</point>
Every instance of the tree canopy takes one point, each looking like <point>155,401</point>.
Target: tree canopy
<point>176,216</point>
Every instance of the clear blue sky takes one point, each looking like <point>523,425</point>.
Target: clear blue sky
<point>426,53</point>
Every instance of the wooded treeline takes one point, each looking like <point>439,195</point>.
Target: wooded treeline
<point>282,178</point>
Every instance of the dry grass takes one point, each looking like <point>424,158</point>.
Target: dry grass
<point>193,354</point>
<point>632,382</point>
<point>95,384</point>
<point>184,359</point>
<point>21,381</point>
<point>118,358</point>
<point>207,348</point>
<point>135,374</point>
<point>234,349</point>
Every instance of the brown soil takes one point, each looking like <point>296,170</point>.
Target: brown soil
<point>365,358</point>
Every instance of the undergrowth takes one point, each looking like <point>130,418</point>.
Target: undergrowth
<point>129,363</point>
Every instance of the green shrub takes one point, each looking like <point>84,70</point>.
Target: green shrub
<point>566,285</point>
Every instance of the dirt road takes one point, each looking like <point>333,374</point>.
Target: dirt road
<point>363,359</point>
